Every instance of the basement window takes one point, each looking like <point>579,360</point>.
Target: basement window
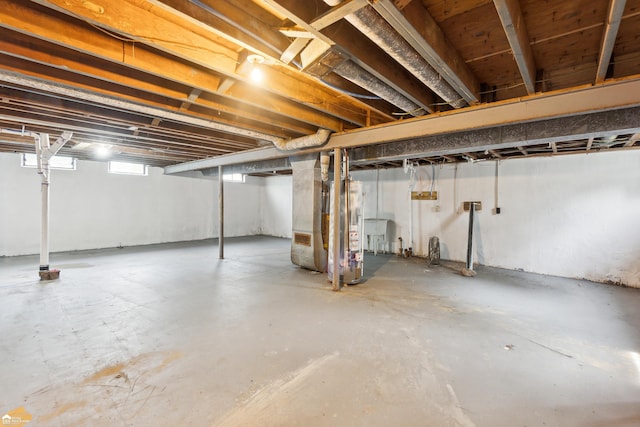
<point>29,160</point>
<point>127,168</point>
<point>233,177</point>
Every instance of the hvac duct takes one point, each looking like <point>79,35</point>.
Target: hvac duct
<point>355,74</point>
<point>308,244</point>
<point>314,140</point>
<point>372,25</point>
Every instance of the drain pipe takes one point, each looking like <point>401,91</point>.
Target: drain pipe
<point>314,140</point>
<point>335,236</point>
<point>376,28</point>
<point>44,152</point>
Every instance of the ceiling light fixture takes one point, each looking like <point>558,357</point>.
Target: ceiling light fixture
<point>256,74</point>
<point>102,151</point>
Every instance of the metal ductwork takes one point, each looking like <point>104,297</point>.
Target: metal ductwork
<point>314,140</point>
<point>358,75</point>
<point>308,246</point>
<point>333,60</point>
<point>372,25</point>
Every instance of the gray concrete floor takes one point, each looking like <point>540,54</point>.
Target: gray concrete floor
<point>168,335</point>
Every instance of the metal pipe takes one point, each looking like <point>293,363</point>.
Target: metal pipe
<point>324,166</point>
<point>376,28</point>
<point>346,246</point>
<point>43,169</point>
<point>358,75</point>
<point>220,213</point>
<point>336,218</point>
<point>472,210</point>
<point>377,191</point>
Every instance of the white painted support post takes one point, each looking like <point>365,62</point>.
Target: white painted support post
<point>43,169</point>
<point>337,186</point>
<point>44,152</point>
<point>220,213</point>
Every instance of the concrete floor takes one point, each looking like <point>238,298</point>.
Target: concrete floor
<point>169,335</point>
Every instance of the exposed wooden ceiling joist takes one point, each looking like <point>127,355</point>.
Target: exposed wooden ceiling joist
<point>614,16</point>
<point>173,34</point>
<point>179,72</point>
<point>421,31</point>
<point>516,31</point>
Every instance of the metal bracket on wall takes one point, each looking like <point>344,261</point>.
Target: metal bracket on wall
<point>466,206</point>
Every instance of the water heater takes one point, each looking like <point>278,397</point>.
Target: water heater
<point>351,223</point>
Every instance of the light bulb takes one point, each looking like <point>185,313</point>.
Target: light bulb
<point>102,151</point>
<point>256,74</point>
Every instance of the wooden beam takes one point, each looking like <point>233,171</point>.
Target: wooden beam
<point>244,23</point>
<point>494,153</point>
<point>173,33</point>
<point>195,93</point>
<point>554,147</point>
<point>561,103</point>
<point>522,150</point>
<point>422,32</point>
<point>586,122</point>
<point>73,69</point>
<point>338,12</point>
<point>156,27</point>
<point>614,16</point>
<point>18,16</point>
<point>294,49</point>
<point>516,31</point>
<point>590,143</point>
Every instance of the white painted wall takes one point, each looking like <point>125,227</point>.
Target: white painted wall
<point>277,205</point>
<point>91,208</point>
<point>573,216</point>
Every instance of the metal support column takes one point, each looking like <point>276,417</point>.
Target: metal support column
<point>44,170</point>
<point>468,270</point>
<point>337,186</point>
<point>220,213</point>
<point>44,152</point>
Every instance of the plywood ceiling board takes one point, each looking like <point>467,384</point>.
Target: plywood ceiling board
<point>498,70</point>
<point>568,51</point>
<point>476,33</point>
<point>570,76</point>
<point>628,40</point>
<point>550,18</point>
<point>444,9</point>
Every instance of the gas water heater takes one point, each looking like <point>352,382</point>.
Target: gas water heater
<point>351,223</point>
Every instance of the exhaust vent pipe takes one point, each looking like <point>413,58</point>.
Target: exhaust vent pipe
<point>315,140</point>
